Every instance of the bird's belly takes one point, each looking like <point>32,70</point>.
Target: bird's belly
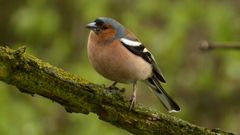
<point>122,72</point>
<point>119,66</point>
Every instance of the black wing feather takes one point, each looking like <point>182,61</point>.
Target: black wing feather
<point>147,56</point>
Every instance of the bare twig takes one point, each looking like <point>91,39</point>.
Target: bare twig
<point>207,46</point>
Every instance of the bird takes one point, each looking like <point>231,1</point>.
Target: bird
<point>118,55</point>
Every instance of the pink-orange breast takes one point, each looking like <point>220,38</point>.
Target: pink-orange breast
<point>115,62</point>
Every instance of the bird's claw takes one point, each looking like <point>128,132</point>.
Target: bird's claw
<point>113,86</point>
<point>133,102</point>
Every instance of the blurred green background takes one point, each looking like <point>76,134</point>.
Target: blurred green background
<point>205,84</point>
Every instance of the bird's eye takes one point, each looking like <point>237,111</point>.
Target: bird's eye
<point>104,27</point>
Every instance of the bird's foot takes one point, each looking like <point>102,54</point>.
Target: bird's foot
<point>132,102</point>
<point>113,88</point>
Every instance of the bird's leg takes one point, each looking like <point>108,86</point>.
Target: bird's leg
<point>115,89</point>
<point>113,85</point>
<point>134,96</point>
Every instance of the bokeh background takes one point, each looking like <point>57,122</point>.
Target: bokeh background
<point>205,84</point>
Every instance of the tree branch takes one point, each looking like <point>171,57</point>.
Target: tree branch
<point>207,46</point>
<point>33,76</point>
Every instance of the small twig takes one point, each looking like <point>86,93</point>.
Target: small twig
<point>207,46</point>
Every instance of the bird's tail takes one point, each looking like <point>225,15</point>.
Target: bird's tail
<point>162,95</point>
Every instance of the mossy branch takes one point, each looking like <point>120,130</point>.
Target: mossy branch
<point>33,76</point>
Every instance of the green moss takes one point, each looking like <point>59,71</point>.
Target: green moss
<point>3,71</point>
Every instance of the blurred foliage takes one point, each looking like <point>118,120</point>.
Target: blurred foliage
<point>206,85</point>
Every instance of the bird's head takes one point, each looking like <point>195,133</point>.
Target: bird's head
<point>106,27</point>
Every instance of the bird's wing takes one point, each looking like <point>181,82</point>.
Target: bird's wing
<point>137,48</point>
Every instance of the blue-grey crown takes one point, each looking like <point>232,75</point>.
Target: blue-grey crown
<point>115,24</point>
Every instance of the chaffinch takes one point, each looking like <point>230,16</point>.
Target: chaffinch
<point>118,55</point>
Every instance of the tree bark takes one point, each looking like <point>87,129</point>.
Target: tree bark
<point>33,76</point>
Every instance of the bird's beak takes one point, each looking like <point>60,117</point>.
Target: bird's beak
<point>91,26</point>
